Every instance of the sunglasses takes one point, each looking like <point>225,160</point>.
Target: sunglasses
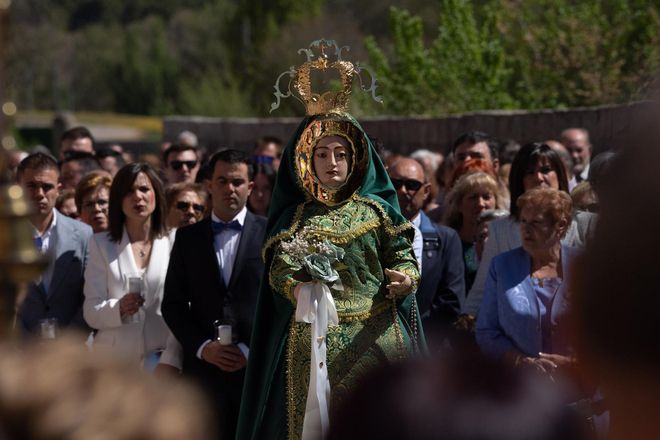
<point>178,164</point>
<point>91,204</point>
<point>184,206</point>
<point>410,184</point>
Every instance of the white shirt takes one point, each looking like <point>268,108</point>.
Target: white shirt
<point>226,245</point>
<point>584,175</point>
<point>47,238</point>
<point>418,241</point>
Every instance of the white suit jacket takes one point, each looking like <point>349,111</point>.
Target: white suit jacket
<point>108,264</point>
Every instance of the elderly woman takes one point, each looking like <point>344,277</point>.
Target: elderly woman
<point>469,198</point>
<point>525,307</point>
<point>92,199</point>
<point>126,268</point>
<point>186,204</point>
<point>535,166</point>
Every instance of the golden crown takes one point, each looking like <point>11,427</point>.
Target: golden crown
<point>300,81</point>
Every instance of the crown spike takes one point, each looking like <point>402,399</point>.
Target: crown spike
<point>317,102</point>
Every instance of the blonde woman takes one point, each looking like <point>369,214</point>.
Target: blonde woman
<point>472,195</point>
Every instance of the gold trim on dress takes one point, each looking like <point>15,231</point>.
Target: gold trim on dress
<point>387,221</point>
<point>346,317</point>
<point>397,330</point>
<point>288,233</point>
<point>290,399</point>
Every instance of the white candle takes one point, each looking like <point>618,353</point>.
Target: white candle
<point>223,334</point>
<point>48,328</point>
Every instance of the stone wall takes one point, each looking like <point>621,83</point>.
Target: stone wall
<point>609,127</point>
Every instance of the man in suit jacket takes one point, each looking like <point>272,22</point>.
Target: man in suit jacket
<point>59,291</point>
<point>437,248</point>
<point>214,274</point>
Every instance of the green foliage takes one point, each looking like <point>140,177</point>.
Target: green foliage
<point>472,73</point>
<point>464,67</point>
<point>512,53</point>
<point>580,53</point>
<point>211,96</point>
<point>142,80</point>
<point>147,56</point>
<point>221,57</point>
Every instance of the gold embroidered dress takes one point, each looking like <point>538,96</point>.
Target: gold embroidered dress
<point>368,333</point>
<point>362,217</point>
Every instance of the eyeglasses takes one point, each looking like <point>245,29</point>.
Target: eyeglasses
<point>178,164</point>
<point>185,206</point>
<point>91,204</point>
<point>410,184</point>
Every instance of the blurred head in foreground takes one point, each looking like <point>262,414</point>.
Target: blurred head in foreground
<point>59,391</point>
<point>454,398</point>
<point>617,294</point>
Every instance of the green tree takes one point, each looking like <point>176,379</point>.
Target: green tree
<point>569,54</point>
<point>525,54</point>
<point>145,80</point>
<point>464,67</point>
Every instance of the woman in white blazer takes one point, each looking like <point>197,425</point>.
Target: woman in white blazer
<point>136,244</point>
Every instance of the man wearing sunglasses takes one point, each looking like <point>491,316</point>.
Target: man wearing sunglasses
<point>439,253</point>
<point>186,204</point>
<point>76,139</point>
<point>181,163</point>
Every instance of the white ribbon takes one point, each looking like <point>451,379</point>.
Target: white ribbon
<point>317,307</point>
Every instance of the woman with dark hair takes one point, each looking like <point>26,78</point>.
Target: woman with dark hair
<point>264,182</point>
<point>126,268</point>
<point>535,166</point>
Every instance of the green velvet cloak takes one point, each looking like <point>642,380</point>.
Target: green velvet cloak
<point>263,413</point>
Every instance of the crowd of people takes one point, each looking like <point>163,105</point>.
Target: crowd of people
<point>185,268</point>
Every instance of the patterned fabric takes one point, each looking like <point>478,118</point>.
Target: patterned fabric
<point>365,220</point>
<point>349,358</point>
<point>362,307</point>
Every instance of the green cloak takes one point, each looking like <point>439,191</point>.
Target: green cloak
<point>263,413</point>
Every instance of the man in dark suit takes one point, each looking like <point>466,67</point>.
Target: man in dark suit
<point>214,274</point>
<point>59,291</point>
<point>438,250</point>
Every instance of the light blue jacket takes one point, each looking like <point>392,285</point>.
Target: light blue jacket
<point>509,317</point>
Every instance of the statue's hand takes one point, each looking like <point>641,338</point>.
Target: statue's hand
<point>399,284</point>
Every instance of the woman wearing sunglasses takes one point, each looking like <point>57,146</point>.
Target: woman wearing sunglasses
<point>186,204</point>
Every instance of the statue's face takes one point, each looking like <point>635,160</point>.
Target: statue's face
<point>332,161</point>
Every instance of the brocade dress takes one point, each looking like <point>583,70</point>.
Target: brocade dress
<point>369,332</point>
<point>362,217</point>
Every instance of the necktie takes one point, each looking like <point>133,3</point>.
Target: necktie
<point>38,242</point>
<point>219,227</point>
